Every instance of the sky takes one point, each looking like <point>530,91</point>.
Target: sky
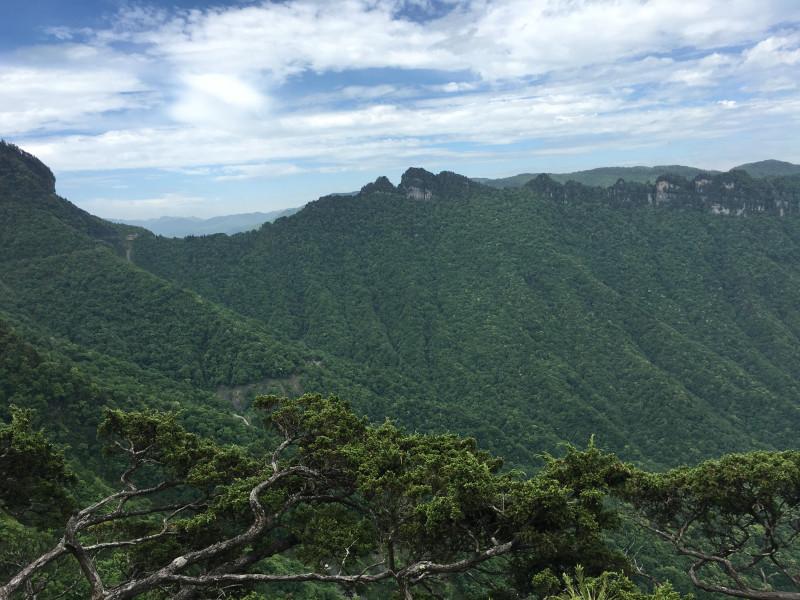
<point>197,107</point>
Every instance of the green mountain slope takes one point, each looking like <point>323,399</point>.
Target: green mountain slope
<point>547,313</point>
<point>770,168</point>
<point>640,313</point>
<point>67,281</point>
<point>608,176</point>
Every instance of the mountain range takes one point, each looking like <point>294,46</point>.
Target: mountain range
<point>177,227</point>
<point>606,176</point>
<point>662,318</point>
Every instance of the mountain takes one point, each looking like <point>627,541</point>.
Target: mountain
<point>72,298</point>
<point>648,315</point>
<point>178,227</point>
<point>661,317</point>
<point>603,176</point>
<point>607,176</point>
<point>770,168</point>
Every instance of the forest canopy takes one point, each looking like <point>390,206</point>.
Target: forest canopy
<point>329,500</point>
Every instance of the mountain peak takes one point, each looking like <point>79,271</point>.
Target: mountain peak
<point>420,184</point>
<point>769,168</point>
<point>381,184</point>
<point>20,165</point>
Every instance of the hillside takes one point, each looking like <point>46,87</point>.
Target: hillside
<point>646,314</point>
<point>603,176</point>
<point>642,314</point>
<point>608,176</point>
<point>227,224</point>
<point>662,317</point>
<point>770,168</point>
<point>69,290</point>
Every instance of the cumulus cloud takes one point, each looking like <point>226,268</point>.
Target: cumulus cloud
<point>141,208</point>
<point>281,88</point>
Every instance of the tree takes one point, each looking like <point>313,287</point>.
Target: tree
<point>608,586</point>
<point>360,505</point>
<point>736,518</point>
<point>33,473</point>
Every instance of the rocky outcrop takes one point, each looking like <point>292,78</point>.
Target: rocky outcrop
<point>419,184</point>
<point>380,185</point>
<point>734,193</point>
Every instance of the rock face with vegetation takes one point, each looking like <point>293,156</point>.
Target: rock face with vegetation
<point>662,318</point>
<point>735,193</point>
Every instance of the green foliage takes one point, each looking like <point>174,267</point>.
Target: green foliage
<point>340,493</point>
<point>33,473</point>
<point>610,586</point>
<point>524,319</point>
<point>737,518</point>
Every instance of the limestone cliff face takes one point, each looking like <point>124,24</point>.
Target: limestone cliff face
<point>419,184</point>
<point>734,193</point>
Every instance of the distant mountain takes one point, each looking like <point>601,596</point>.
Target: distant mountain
<point>603,176</point>
<point>178,227</point>
<point>770,168</point>
<point>607,176</point>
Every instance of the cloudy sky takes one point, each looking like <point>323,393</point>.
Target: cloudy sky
<point>202,108</point>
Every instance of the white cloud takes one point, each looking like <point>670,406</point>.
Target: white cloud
<point>140,208</point>
<point>207,88</point>
<point>251,171</point>
<point>774,51</point>
<point>510,38</point>
<point>69,85</point>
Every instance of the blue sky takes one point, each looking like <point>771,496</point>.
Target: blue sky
<point>201,108</point>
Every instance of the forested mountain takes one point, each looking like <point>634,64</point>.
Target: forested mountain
<point>602,176</point>
<point>70,291</point>
<point>646,314</point>
<point>770,168</point>
<point>548,312</point>
<point>663,318</point>
<point>607,176</point>
<point>228,224</point>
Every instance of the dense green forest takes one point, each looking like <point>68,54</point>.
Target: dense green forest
<point>546,313</point>
<point>661,318</point>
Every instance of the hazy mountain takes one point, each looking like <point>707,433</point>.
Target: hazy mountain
<point>770,168</point>
<point>607,176</point>
<point>178,227</point>
<point>603,176</point>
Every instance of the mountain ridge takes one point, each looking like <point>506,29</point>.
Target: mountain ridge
<point>485,292</point>
<point>607,176</point>
<point>170,226</point>
<point>525,317</point>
